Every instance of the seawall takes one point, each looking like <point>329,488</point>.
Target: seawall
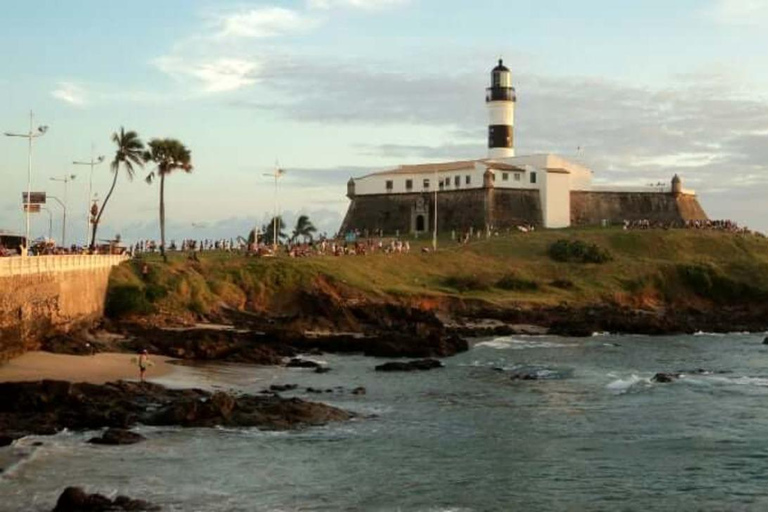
<point>43,294</point>
<point>592,208</point>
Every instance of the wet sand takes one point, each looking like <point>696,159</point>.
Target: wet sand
<point>96,369</point>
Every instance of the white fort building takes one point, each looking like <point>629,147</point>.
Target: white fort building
<point>503,190</point>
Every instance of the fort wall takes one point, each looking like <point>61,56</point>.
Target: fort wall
<point>594,208</point>
<point>45,294</point>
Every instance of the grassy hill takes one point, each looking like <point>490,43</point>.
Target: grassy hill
<point>650,270</point>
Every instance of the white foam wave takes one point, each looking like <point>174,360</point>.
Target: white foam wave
<point>621,386</point>
<point>505,343</point>
<point>742,381</point>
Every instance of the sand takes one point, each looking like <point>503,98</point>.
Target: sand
<point>96,369</point>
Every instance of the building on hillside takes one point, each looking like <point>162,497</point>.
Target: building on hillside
<point>504,190</point>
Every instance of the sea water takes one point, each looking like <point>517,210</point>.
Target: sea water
<point>594,432</point>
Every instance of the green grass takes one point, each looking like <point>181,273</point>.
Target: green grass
<point>646,268</point>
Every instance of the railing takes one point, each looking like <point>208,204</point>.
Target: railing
<point>19,266</point>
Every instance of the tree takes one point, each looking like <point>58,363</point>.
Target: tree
<point>129,153</point>
<point>304,228</point>
<point>268,230</point>
<point>168,155</point>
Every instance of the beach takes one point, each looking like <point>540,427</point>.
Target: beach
<point>96,369</point>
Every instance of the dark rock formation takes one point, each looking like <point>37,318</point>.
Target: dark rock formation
<point>360,390</point>
<point>75,499</point>
<point>302,363</point>
<point>663,377</point>
<point>117,436</point>
<point>322,369</point>
<point>410,366</point>
<point>525,376</point>
<point>282,387</point>
<point>765,341</point>
<point>45,407</point>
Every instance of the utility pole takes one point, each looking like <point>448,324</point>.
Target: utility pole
<point>91,163</point>
<point>30,136</point>
<point>66,179</point>
<point>434,227</point>
<point>63,224</point>
<point>276,174</point>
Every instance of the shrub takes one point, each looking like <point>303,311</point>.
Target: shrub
<point>155,292</point>
<point>563,284</point>
<point>466,283</point>
<point>514,283</point>
<point>126,299</point>
<point>708,282</point>
<point>576,251</point>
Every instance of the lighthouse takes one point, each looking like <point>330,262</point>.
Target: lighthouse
<point>500,98</point>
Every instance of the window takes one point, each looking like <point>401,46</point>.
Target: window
<point>533,177</point>
<point>390,185</point>
<point>505,176</point>
<point>517,176</point>
<point>408,184</point>
<point>426,183</point>
<point>457,181</point>
<point>468,179</point>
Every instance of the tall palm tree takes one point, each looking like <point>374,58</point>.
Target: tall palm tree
<point>129,153</point>
<point>268,230</point>
<point>304,228</point>
<point>168,155</point>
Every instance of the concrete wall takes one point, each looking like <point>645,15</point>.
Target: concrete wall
<point>592,208</point>
<point>45,294</point>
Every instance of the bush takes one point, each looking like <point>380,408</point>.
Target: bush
<point>514,283</point>
<point>155,292</point>
<point>466,283</point>
<point>576,251</point>
<point>708,282</point>
<point>126,299</point>
<point>563,284</point>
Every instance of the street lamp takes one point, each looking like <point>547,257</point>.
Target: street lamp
<point>50,222</point>
<point>278,172</point>
<point>64,209</point>
<point>434,227</point>
<point>30,136</point>
<point>92,162</point>
<point>66,179</point>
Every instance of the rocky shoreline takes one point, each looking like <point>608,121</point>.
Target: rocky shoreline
<point>47,407</point>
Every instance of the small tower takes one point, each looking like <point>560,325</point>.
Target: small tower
<point>677,185</point>
<point>351,188</point>
<point>500,98</point>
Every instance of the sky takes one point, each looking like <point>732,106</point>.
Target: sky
<point>331,89</point>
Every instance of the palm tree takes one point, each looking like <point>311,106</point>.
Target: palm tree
<point>169,155</point>
<point>304,228</point>
<point>269,230</point>
<point>129,153</point>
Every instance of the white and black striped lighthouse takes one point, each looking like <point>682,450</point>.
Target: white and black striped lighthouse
<point>500,98</point>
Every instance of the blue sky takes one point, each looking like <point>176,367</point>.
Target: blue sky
<point>334,88</point>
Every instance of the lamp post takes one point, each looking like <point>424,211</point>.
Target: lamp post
<point>50,222</point>
<point>434,227</point>
<point>66,179</point>
<point>30,136</point>
<point>276,174</point>
<point>91,163</point>
<point>63,225</point>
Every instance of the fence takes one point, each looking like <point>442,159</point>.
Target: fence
<point>18,266</point>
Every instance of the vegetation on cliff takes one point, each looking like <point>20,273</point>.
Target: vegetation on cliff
<point>651,270</point>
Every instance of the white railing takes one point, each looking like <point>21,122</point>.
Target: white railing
<point>18,266</point>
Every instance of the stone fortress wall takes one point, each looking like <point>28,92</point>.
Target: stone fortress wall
<point>41,294</point>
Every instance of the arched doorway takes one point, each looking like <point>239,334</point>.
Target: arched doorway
<point>419,223</point>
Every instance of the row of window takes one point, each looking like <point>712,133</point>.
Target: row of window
<point>457,181</point>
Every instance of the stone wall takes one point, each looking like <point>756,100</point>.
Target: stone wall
<point>39,296</point>
<point>592,208</point>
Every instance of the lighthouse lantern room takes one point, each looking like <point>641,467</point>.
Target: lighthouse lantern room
<point>500,98</point>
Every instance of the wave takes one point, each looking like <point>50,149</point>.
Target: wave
<point>622,386</point>
<point>505,343</point>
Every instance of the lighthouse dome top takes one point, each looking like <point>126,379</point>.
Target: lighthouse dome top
<point>501,67</point>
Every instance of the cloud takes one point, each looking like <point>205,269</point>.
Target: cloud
<point>358,4</point>
<point>212,76</point>
<point>263,22</point>
<point>71,93</point>
<point>739,12</point>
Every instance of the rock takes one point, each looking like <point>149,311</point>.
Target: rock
<point>664,378</point>
<point>302,363</point>
<point>282,387</point>
<point>6,440</point>
<point>313,390</point>
<point>117,436</point>
<point>322,369</point>
<point>46,407</point>
<point>360,390</point>
<point>525,376</point>
<point>75,499</point>
<point>765,341</point>
<point>420,364</point>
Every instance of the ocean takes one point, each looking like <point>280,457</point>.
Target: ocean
<point>594,432</point>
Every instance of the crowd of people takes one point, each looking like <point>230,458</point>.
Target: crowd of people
<point>712,225</point>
